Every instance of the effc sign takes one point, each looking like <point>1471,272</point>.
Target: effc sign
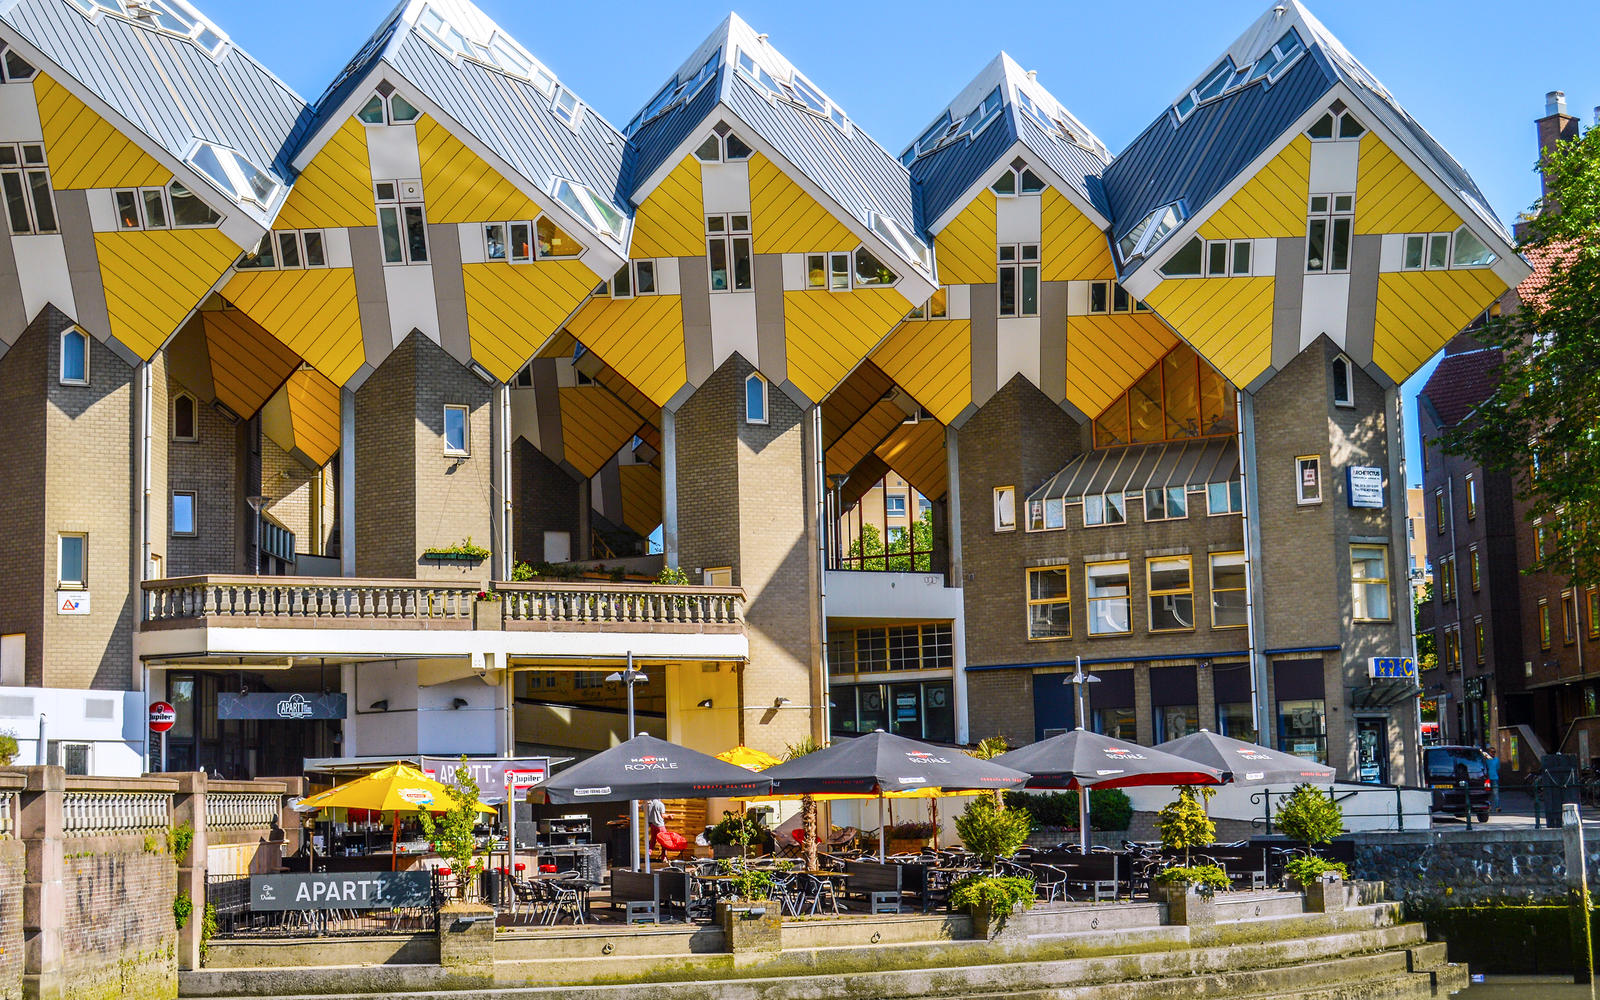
<point>1391,668</point>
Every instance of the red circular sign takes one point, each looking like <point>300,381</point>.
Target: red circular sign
<point>162,717</point>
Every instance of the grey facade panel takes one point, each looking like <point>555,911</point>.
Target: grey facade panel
<point>83,262</point>
<point>372,296</point>
<point>694,284</point>
<point>13,317</point>
<point>450,292</point>
<point>1053,339</point>
<point>1362,317</point>
<point>770,335</point>
<point>1288,284</point>
<point>985,306</point>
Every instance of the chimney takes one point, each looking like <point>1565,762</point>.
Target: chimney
<point>1555,126</point>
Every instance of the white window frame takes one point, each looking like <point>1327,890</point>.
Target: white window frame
<point>194,514</point>
<point>1091,602</point>
<point>465,449</point>
<point>723,153</point>
<point>937,306</point>
<point>1230,265</point>
<point>9,73</point>
<point>1165,495</point>
<point>625,283</point>
<point>765,416</point>
<point>1449,242</point>
<point>1305,494</point>
<point>735,240</point>
<point>386,105</point>
<point>17,180</point>
<point>62,583</point>
<point>61,355</point>
<point>195,425</point>
<point>600,216</point>
<point>1386,580</point>
<point>278,240</point>
<point>1111,292</point>
<point>1330,216</point>
<point>568,107</point>
<point>1020,265</point>
<point>1228,559</point>
<point>406,196</point>
<point>1107,502</point>
<point>1336,126</point>
<point>235,182</point>
<point>1343,363</point>
<point>1212,511</point>
<point>1005,508</point>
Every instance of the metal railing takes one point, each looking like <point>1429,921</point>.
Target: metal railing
<point>230,895</point>
<point>239,811</point>
<point>622,604</point>
<point>304,597</point>
<point>104,814</point>
<point>1271,801</point>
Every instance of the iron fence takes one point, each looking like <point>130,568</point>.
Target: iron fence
<point>1392,807</point>
<point>230,896</point>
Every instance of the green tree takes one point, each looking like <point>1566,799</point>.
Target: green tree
<point>1542,423</point>
<point>908,552</point>
<point>451,831</point>
<point>990,831</point>
<point>1427,642</point>
<point>1183,822</point>
<point>1309,814</point>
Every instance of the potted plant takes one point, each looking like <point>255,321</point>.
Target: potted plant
<point>1184,825</point>
<point>1321,880</point>
<point>1188,890</point>
<point>750,918</point>
<point>991,831</point>
<point>463,551</point>
<point>737,836</point>
<point>451,831</point>
<point>990,899</point>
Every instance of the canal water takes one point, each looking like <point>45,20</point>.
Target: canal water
<point>1528,988</point>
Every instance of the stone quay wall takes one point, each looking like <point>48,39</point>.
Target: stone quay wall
<point>1434,869</point>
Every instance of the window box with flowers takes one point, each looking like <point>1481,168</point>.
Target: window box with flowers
<point>463,552</point>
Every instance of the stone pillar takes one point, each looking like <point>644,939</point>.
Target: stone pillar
<point>754,931</point>
<point>43,891</point>
<point>466,945</point>
<point>1325,896</point>
<point>189,806</point>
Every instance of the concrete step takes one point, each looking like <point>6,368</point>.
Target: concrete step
<point>1243,906</point>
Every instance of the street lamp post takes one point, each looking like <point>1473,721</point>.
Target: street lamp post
<point>1081,681</point>
<point>256,503</point>
<point>629,678</point>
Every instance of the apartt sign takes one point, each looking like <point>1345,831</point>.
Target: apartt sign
<point>345,891</point>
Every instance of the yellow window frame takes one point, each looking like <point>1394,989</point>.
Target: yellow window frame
<point>1152,593</point>
<point>1065,570</point>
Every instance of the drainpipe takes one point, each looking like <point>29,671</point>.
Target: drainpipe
<point>954,578</point>
<point>347,484</point>
<point>1255,612</point>
<point>141,568</point>
<point>1455,590</point>
<point>669,487</point>
<point>819,492</point>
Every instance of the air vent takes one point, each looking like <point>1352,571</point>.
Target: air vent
<point>16,707</point>
<point>99,708</point>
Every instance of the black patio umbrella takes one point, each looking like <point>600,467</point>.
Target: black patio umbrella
<point>649,768</point>
<point>881,762</point>
<point>1248,763</point>
<point>1081,759</point>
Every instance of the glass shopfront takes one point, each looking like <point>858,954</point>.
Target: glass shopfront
<point>922,710</point>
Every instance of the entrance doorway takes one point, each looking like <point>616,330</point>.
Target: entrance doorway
<point>1372,751</point>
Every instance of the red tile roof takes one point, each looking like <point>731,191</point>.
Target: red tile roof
<point>1461,382</point>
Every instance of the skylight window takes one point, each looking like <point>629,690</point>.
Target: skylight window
<point>234,174</point>
<point>173,16</point>
<point>1225,78</point>
<point>909,246</point>
<point>1150,231</point>
<point>500,51</point>
<point>674,93</point>
<point>567,107</point>
<point>590,207</point>
<point>797,91</point>
<point>987,112</point>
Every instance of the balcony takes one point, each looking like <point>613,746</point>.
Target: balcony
<point>272,617</point>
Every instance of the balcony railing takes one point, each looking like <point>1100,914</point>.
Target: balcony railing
<point>304,597</point>
<point>103,814</point>
<point>542,604</point>
<point>556,606</point>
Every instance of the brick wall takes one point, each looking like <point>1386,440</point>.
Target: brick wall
<point>23,371</point>
<point>546,499</point>
<point>708,485</point>
<point>89,437</point>
<point>453,495</point>
<point>385,495</point>
<point>12,868</point>
<point>156,517</point>
<point>118,933</point>
<point>210,468</point>
<point>291,486</point>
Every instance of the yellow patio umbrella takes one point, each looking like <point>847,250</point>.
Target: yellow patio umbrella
<point>394,789</point>
<point>749,758</point>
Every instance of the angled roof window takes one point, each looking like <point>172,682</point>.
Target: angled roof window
<point>590,207</point>
<point>797,90</point>
<point>500,51</point>
<point>234,174</point>
<point>173,16</point>
<point>1276,59</point>
<point>986,112</point>
<point>673,93</point>
<point>567,107</point>
<point>909,246</point>
<point>1150,231</point>
<point>1270,65</point>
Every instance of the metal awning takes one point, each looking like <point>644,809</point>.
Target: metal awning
<point>1385,693</point>
<point>1140,467</point>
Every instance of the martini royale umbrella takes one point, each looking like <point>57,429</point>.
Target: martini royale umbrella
<point>880,763</point>
<point>1248,763</point>
<point>1083,760</point>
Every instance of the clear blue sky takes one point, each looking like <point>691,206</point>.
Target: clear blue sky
<point>1473,72</point>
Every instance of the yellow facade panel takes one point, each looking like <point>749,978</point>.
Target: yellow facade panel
<point>862,437</point>
<point>460,186</point>
<point>642,338</point>
<point>248,364</point>
<point>513,308</point>
<point>916,451</point>
<point>641,497</point>
<point>1074,248</point>
<point>967,247</point>
<point>932,360</point>
<point>1418,311</point>
<point>86,151</point>
<point>153,280</point>
<point>671,222</point>
<point>828,333</point>
<point>785,218</point>
<point>314,414</point>
<point>595,424</point>
<point>1271,204</point>
<point>1391,198</point>
<point>314,312</point>
<point>1107,354</point>
<point>1227,320</point>
<point>334,191</point>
